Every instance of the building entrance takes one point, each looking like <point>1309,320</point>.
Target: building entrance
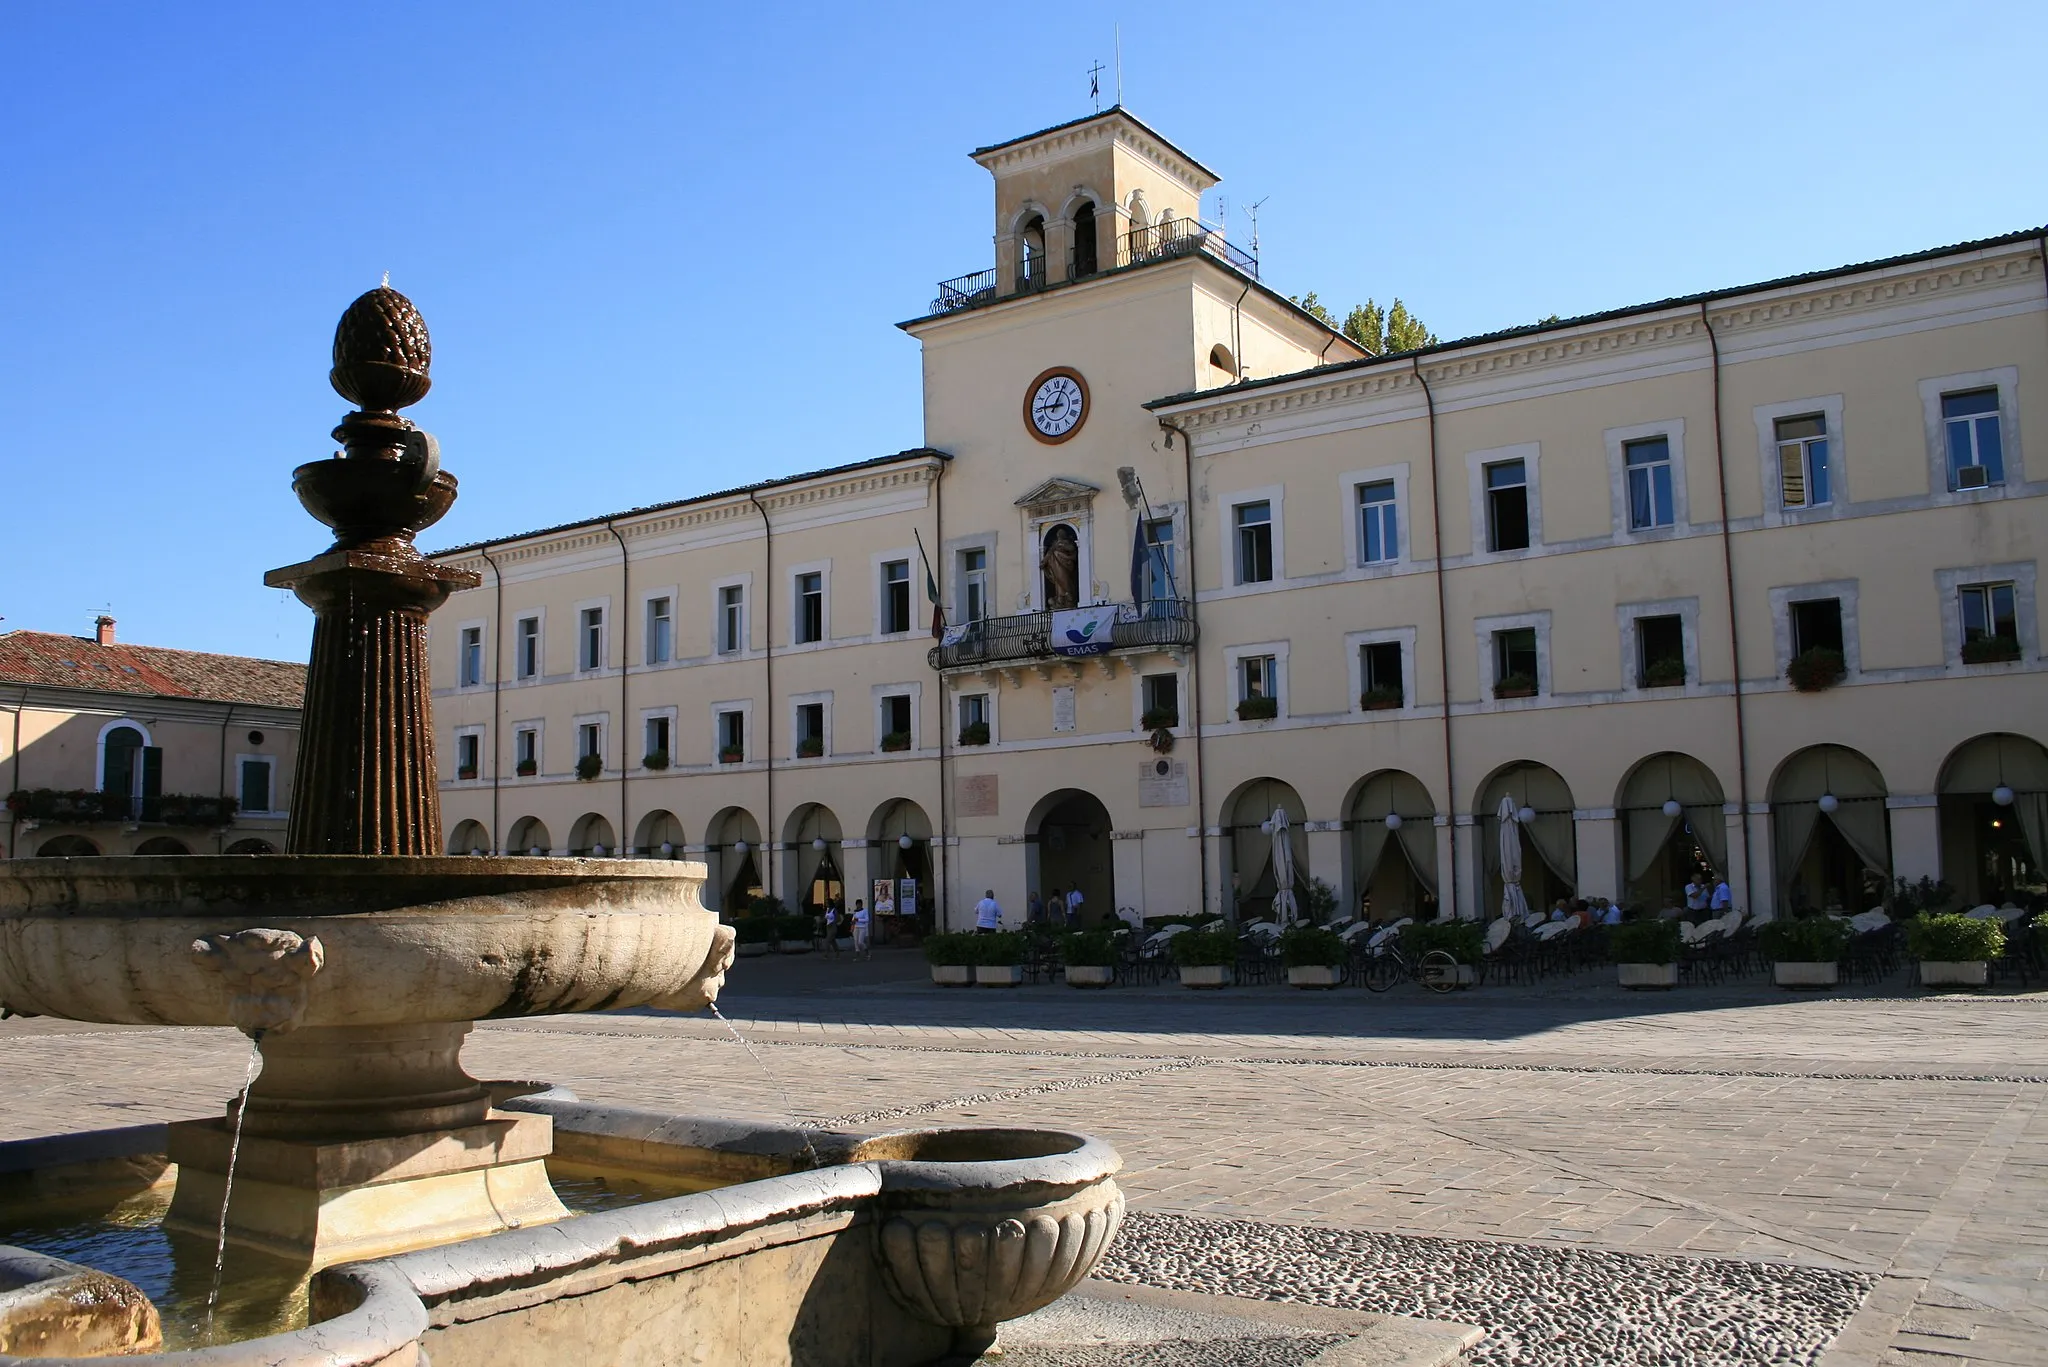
<point>1070,842</point>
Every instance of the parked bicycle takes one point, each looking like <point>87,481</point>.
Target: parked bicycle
<point>1437,969</point>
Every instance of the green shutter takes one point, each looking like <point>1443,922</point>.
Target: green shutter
<point>152,771</point>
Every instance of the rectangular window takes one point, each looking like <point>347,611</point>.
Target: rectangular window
<point>1255,542</point>
<point>1514,662</point>
<point>1507,506</point>
<point>895,596</point>
<point>661,631</point>
<point>973,717</point>
<point>1162,701</point>
<point>1660,651</point>
<point>974,584</point>
<point>1976,453</point>
<point>590,640</point>
<point>526,750</point>
<point>471,669</point>
<point>657,737</point>
<point>1988,613</point>
<point>527,662</point>
<point>1159,583</point>
<point>1803,461</point>
<point>468,755</point>
<point>1816,625</point>
<point>1379,539</point>
<point>1649,483</point>
<point>732,737</point>
<point>731,619</point>
<point>1258,676</point>
<point>255,795</point>
<point>896,721</point>
<point>810,729</point>
<point>589,740</point>
<point>1380,670</point>
<point>810,607</point>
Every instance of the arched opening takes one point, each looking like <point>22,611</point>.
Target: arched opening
<point>162,844</point>
<point>1082,262</point>
<point>1830,840</point>
<point>67,847</point>
<point>1069,832</point>
<point>733,857</point>
<point>1253,847</point>
<point>1549,840</point>
<point>1994,819</point>
<point>658,836</point>
<point>1393,848</point>
<point>1031,268</point>
<point>128,764</point>
<point>1141,212</point>
<point>1222,365</point>
<point>468,837</point>
<point>900,860</point>
<point>529,836</point>
<point>1059,567</point>
<point>1672,829</point>
<point>591,837</point>
<point>811,844</point>
<point>251,846</point>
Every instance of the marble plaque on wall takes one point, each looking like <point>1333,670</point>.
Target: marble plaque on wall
<point>1163,783</point>
<point>976,794</point>
<point>1063,709</point>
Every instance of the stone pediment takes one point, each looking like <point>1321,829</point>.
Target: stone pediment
<point>1058,491</point>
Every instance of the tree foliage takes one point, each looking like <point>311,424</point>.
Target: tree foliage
<point>1378,330</point>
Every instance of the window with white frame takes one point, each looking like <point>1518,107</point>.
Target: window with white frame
<point>1816,624</point>
<point>1381,676</point>
<point>1258,678</point>
<point>589,740</point>
<point>1648,463</point>
<point>1254,523</point>
<point>469,753</point>
<point>1972,439</point>
<point>1990,622</point>
<point>732,736</point>
<point>470,665</point>
<point>894,721</point>
<point>1159,583</point>
<point>657,740</point>
<point>1660,651</point>
<point>974,597</point>
<point>1517,669</point>
<point>1803,475</point>
<point>254,793</point>
<point>1507,506</point>
<point>808,624</point>
<point>590,639</point>
<point>661,630</point>
<point>1161,702</point>
<point>895,589</point>
<point>732,618</point>
<point>974,719</point>
<point>526,751</point>
<point>526,653</point>
<point>1379,536</point>
<point>810,730</point>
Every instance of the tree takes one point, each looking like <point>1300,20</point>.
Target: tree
<point>1378,330</point>
<point>1313,307</point>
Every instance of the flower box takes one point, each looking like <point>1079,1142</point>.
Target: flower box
<point>1990,650</point>
<point>998,975</point>
<point>753,950</point>
<point>1457,975</point>
<point>1812,671</point>
<point>1159,719</point>
<point>810,748</point>
<point>589,767</point>
<point>1647,975</point>
<point>974,733</point>
<point>526,768</point>
<point>1314,975</point>
<point>1258,709</point>
<point>1664,674</point>
<point>654,759</point>
<point>1515,686</point>
<point>1786,973</point>
<point>1380,699</point>
<point>1970,973</point>
<point>731,755</point>
<point>466,773</point>
<point>1205,975</point>
<point>896,740</point>
<point>953,975</point>
<point>1090,975</point>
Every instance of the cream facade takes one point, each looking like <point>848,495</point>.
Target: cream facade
<point>1570,567</point>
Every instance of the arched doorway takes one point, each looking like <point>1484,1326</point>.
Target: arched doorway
<point>1392,843</point>
<point>1671,825</point>
<point>1830,841</point>
<point>1994,819</point>
<point>128,765</point>
<point>529,836</point>
<point>1250,843</point>
<point>1070,850</point>
<point>1031,271</point>
<point>1083,261</point>
<point>733,856</point>
<point>591,837</point>
<point>162,844</point>
<point>468,837</point>
<point>1550,856</point>
<point>899,837</point>
<point>251,846</point>
<point>658,836</point>
<point>811,858</point>
<point>67,847</point>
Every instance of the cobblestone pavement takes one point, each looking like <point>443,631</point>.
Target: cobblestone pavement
<point>1877,1132</point>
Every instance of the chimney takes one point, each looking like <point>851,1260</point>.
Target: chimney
<point>103,629</point>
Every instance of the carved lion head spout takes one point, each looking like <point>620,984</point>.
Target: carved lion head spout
<point>268,975</point>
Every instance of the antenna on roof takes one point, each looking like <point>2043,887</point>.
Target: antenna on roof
<point>1095,85</point>
<point>1119,66</point>
<point>1254,212</point>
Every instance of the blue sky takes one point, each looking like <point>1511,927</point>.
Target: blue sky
<point>662,248</point>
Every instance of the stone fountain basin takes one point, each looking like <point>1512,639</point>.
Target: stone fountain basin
<point>405,940</point>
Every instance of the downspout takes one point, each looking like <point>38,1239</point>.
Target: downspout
<point>619,837</point>
<point>1443,637</point>
<point>767,597</point>
<point>497,689</point>
<point>945,865</point>
<point>1187,448</point>
<point>1236,347</point>
<point>1734,641</point>
<point>220,836</point>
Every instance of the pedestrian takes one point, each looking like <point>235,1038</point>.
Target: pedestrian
<point>1610,914</point>
<point>988,914</point>
<point>1034,909</point>
<point>1056,908</point>
<point>1074,907</point>
<point>1696,894</point>
<point>832,925</point>
<point>1724,898</point>
<point>861,922</point>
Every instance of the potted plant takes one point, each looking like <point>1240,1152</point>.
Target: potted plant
<point>1990,650</point>
<point>1159,719</point>
<point>526,768</point>
<point>1668,672</point>
<point>1464,941</point>
<point>1258,709</point>
<point>1314,956</point>
<point>999,959</point>
<point>589,767</point>
<point>756,935</point>
<point>1806,951</point>
<point>974,733</point>
<point>1382,698</point>
<point>1089,957</point>
<point>1514,686</point>
<point>731,754</point>
<point>1645,953</point>
<point>466,772</point>
<point>1905,900</point>
<point>1816,669</point>
<point>810,747</point>
<point>1954,949</point>
<point>796,934</point>
<point>654,759</point>
<point>952,957</point>
<point>1205,957</point>
<point>896,740</point>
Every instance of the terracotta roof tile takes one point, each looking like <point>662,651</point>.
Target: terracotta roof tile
<point>53,661</point>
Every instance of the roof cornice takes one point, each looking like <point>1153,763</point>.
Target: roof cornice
<point>1113,125</point>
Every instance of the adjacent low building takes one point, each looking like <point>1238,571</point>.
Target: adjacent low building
<point>1747,578</point>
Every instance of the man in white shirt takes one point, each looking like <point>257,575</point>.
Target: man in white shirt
<point>1696,894</point>
<point>1074,909</point>
<point>1724,897</point>
<point>988,915</point>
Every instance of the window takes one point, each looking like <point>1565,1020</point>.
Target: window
<point>1507,506</point>
<point>810,606</point>
<point>732,600</point>
<point>1379,537</point>
<point>527,662</point>
<point>732,737</point>
<point>589,739</point>
<point>526,750</point>
<point>470,668</point>
<point>974,584</point>
<point>1379,668</point>
<point>1515,667</point>
<point>895,719</point>
<point>661,630</point>
<point>1258,677</point>
<point>1083,260</point>
<point>974,718</point>
<point>1976,455</point>
<point>1816,624</point>
<point>1803,461</point>
<point>590,639</point>
<point>1660,651</point>
<point>1988,615</point>
<point>1649,483</point>
<point>810,729</point>
<point>468,757</point>
<point>895,596</point>
<point>1158,583</point>
<point>255,785</point>
<point>657,737</point>
<point>1255,542</point>
<point>1162,701</point>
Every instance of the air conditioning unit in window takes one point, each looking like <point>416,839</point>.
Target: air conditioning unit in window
<point>1972,477</point>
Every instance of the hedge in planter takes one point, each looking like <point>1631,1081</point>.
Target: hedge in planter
<point>1462,940</point>
<point>1258,709</point>
<point>1088,949</point>
<point>756,930</point>
<point>1644,942</point>
<point>953,950</point>
<point>1954,939</point>
<point>1312,947</point>
<point>1213,948</point>
<point>1805,940</point>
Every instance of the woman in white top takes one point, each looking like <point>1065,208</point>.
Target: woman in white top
<point>861,921</point>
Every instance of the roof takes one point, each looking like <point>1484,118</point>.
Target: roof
<point>53,661</point>
<point>829,472</point>
<point>1113,110</point>
<point>1609,315</point>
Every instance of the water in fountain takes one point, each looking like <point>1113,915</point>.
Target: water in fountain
<point>227,1192</point>
<point>788,1108</point>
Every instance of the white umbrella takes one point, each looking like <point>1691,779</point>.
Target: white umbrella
<point>1284,909</point>
<point>1513,903</point>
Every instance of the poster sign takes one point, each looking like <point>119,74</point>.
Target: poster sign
<point>1084,631</point>
<point>906,897</point>
<point>884,903</point>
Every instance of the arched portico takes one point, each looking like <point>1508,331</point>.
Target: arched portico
<point>163,844</point>
<point>529,836</point>
<point>734,860</point>
<point>1250,882</point>
<point>67,847</point>
<point>1391,848</point>
<point>1994,819</point>
<point>592,837</point>
<point>899,837</point>
<point>813,871</point>
<point>468,837</point>
<point>658,836</point>
<point>1672,823</point>
<point>1069,851</point>
<point>1550,858</point>
<point>1830,841</point>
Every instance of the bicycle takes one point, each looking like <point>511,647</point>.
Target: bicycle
<point>1436,969</point>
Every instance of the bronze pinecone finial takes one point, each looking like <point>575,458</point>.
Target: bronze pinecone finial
<point>381,352</point>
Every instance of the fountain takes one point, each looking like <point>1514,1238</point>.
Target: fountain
<point>421,1200</point>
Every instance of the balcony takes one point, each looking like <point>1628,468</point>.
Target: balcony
<point>1008,642</point>
<point>965,291</point>
<point>88,807</point>
<point>1176,237</point>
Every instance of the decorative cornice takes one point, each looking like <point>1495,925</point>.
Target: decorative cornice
<point>1059,491</point>
<point>1112,127</point>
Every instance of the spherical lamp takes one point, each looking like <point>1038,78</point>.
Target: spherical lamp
<point>2002,795</point>
<point>1393,821</point>
<point>1829,802</point>
<point>597,851</point>
<point>1526,815</point>
<point>818,844</point>
<point>904,842</point>
<point>739,847</point>
<point>536,851</point>
<point>1672,806</point>
<point>1265,828</point>
<point>667,850</point>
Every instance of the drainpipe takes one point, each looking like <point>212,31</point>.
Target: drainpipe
<point>1734,643</point>
<point>767,597</point>
<point>625,670</point>
<point>497,690</point>
<point>220,836</point>
<point>945,863</point>
<point>1236,344</point>
<point>1187,460</point>
<point>1443,636</point>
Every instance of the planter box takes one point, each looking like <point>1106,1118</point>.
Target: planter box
<point>794,946</point>
<point>754,951</point>
<point>999,975</point>
<point>1205,975</point>
<point>1647,975</point>
<point>1314,975</point>
<point>1806,975</point>
<point>1462,975</point>
<point>1972,973</point>
<point>1090,975</point>
<point>953,975</point>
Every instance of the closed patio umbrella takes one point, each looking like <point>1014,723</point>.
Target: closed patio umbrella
<point>1513,903</point>
<point>1285,910</point>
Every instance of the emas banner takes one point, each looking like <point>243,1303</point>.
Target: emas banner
<point>1084,631</point>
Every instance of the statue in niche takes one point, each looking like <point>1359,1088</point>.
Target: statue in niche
<point>1059,562</point>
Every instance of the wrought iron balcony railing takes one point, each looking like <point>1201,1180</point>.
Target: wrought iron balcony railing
<point>993,642</point>
<point>965,291</point>
<point>1160,242</point>
<point>1181,237</point>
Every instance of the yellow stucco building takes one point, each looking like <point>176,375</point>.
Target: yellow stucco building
<point>1748,577</point>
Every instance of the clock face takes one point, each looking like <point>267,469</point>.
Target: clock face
<point>1056,405</point>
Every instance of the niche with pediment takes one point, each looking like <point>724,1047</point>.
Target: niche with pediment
<point>1059,518</point>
